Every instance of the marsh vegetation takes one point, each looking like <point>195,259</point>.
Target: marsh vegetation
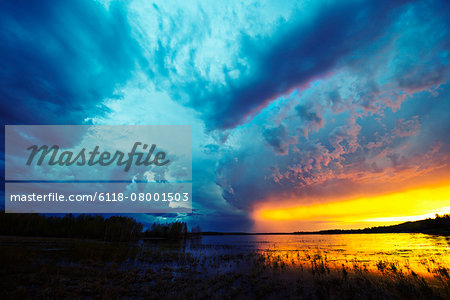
<point>233,267</point>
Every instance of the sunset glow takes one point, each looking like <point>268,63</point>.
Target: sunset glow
<point>410,205</point>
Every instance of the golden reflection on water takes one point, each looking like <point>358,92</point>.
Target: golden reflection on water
<point>400,252</point>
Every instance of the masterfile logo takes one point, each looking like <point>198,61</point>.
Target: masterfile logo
<point>101,169</point>
<point>68,158</point>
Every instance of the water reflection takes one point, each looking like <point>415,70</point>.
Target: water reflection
<point>395,264</point>
<point>419,253</point>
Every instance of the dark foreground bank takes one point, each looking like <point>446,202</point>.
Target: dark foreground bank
<point>55,268</point>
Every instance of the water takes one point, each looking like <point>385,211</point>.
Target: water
<point>420,253</point>
<point>403,265</point>
<point>415,251</point>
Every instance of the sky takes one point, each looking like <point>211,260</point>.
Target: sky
<point>305,115</point>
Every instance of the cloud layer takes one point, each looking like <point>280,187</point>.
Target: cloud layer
<point>291,103</point>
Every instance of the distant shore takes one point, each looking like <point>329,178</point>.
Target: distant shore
<point>440,225</point>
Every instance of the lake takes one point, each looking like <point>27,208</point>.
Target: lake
<point>350,266</point>
<point>414,251</point>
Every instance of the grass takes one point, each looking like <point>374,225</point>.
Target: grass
<point>70,268</point>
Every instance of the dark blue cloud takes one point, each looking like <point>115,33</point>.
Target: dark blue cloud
<point>299,53</point>
<point>278,138</point>
<point>59,59</point>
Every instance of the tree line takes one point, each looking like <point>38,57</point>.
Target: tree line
<point>439,225</point>
<point>172,230</point>
<point>115,228</point>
